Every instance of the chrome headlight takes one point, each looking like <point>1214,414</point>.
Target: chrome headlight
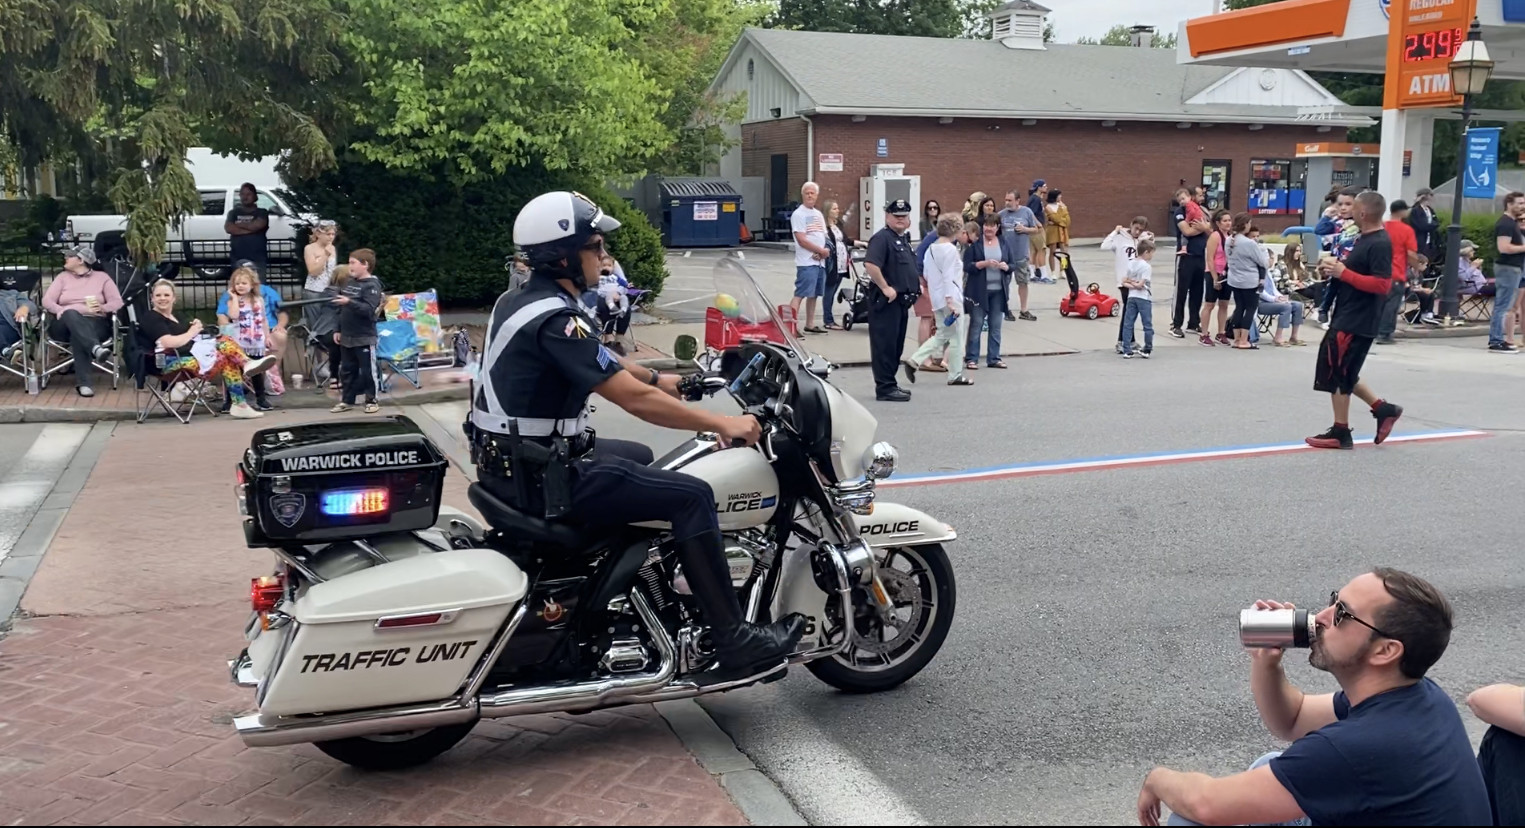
<point>880,460</point>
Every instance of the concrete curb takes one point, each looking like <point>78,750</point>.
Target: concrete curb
<point>866,363</point>
<point>1442,333</point>
<point>290,401</point>
<point>759,799</point>
<point>17,569</point>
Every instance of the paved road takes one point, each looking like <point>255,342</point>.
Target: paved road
<point>1095,633</point>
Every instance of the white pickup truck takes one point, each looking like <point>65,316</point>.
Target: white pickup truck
<point>200,237</point>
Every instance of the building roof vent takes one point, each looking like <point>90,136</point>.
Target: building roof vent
<point>1018,24</point>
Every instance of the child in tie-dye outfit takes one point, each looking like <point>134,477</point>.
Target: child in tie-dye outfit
<point>218,358</point>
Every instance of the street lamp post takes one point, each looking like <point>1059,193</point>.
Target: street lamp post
<point>1470,68</point>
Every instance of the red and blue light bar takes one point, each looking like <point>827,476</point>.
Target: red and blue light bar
<point>354,502</point>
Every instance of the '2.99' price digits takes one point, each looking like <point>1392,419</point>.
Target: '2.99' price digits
<point>1437,45</point>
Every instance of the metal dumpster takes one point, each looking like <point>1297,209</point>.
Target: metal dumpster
<point>700,212</point>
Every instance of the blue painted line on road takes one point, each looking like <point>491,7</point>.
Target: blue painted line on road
<point>1150,459</point>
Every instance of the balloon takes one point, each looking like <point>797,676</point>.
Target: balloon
<point>727,305</point>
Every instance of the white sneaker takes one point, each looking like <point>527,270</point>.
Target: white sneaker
<point>258,366</point>
<point>244,412</point>
<point>179,393</point>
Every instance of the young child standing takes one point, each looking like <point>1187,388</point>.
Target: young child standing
<point>1123,242</point>
<point>358,303</point>
<point>1140,300</point>
<point>246,311</point>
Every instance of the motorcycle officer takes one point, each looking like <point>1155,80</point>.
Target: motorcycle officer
<point>534,450</point>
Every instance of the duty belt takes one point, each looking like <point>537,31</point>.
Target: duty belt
<point>530,426</point>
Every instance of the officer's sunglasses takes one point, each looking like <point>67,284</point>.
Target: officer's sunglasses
<point>1341,613</point>
<point>595,247</point>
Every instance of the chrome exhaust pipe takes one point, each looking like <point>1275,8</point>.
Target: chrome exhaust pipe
<point>257,731</point>
<point>589,694</point>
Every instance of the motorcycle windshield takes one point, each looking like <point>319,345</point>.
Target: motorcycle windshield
<point>747,311</point>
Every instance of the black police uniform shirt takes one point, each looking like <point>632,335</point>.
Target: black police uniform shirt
<point>892,254</point>
<point>1358,310</point>
<point>552,359</point>
<point>1398,758</point>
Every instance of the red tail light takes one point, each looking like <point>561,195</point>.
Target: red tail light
<point>265,592</point>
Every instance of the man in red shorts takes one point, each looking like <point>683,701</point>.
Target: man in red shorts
<point>1361,283</point>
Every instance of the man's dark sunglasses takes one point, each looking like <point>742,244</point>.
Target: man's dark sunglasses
<point>1341,613</point>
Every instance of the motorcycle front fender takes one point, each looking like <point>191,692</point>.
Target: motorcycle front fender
<point>894,524</point>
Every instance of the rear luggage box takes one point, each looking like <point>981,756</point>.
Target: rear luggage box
<point>320,482</point>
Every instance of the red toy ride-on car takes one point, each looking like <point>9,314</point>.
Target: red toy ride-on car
<point>1090,303</point>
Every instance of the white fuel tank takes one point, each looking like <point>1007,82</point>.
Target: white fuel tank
<point>745,486</point>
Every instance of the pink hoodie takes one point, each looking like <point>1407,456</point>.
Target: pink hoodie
<point>69,290</point>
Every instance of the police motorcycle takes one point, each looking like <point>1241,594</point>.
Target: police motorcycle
<point>391,624</point>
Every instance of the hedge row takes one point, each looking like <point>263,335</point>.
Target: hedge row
<point>428,233</point>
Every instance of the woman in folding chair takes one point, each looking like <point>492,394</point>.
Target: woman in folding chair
<point>82,301</point>
<point>188,353</point>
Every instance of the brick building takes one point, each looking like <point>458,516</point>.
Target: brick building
<point>1118,129</point>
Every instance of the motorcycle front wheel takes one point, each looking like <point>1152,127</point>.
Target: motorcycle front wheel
<point>394,751</point>
<point>888,652</point>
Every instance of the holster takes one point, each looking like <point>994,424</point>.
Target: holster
<point>548,467</point>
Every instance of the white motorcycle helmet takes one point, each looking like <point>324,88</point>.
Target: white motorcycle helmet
<point>555,225</point>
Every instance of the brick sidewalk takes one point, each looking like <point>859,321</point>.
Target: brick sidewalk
<point>115,707</point>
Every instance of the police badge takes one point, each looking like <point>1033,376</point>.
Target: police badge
<point>288,508</point>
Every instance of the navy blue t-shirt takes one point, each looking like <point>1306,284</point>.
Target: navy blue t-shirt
<point>1398,758</point>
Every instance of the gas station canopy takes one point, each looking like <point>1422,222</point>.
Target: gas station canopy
<point>1343,35</point>
<point>1410,42</point>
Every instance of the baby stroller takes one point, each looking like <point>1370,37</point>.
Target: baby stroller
<point>855,292</point>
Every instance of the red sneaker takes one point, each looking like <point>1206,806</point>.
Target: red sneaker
<point>1387,416</point>
<point>1334,438</point>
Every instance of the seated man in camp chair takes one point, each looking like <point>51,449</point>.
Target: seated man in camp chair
<point>17,311</point>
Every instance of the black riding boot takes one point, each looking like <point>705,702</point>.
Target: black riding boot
<point>744,649</point>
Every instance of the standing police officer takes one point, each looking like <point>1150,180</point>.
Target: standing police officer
<point>533,447</point>
<point>891,263</point>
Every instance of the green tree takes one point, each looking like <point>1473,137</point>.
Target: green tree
<point>486,88</point>
<point>1120,36</point>
<point>925,18</point>
<point>125,86</point>
<point>685,57</point>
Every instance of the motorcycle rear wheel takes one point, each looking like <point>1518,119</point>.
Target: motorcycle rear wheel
<point>395,751</point>
<point>890,664</point>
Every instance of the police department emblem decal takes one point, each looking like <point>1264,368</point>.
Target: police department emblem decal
<point>288,508</point>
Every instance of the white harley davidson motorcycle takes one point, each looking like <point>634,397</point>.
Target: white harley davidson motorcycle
<point>391,625</point>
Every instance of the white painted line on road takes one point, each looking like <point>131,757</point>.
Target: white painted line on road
<point>29,481</point>
<point>1154,459</point>
<point>703,298</point>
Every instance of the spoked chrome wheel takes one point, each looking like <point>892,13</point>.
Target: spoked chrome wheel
<point>892,646</point>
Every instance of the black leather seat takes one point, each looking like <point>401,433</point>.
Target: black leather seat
<point>514,523</point>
